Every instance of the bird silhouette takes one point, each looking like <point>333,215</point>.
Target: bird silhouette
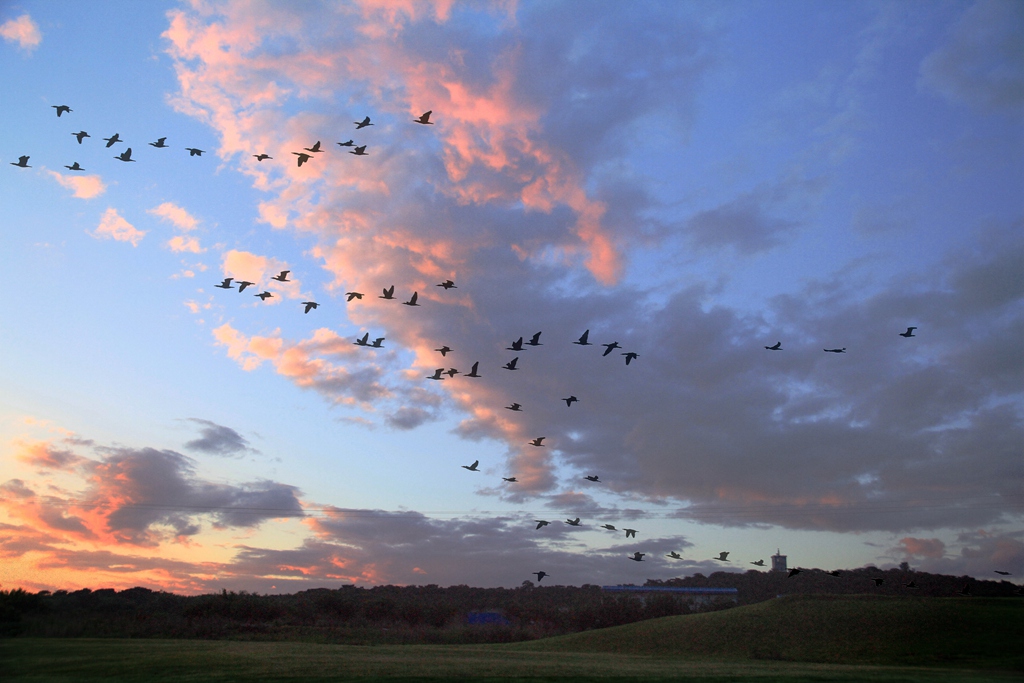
<point>472,371</point>
<point>22,162</point>
<point>609,527</point>
<point>315,149</point>
<point>242,284</point>
<point>793,572</point>
<point>759,563</point>
<point>541,522</point>
<point>1001,573</point>
<point>638,557</point>
<point>309,305</point>
<point>537,441</point>
<point>965,591</point>
<point>842,350</point>
<point>363,124</point>
<point>451,372</point>
<point>303,157</point>
<point>573,522</point>
<point>592,477</point>
<point>389,293</point>
<point>910,585</point>
<point>412,300</point>
<point>353,295</point>
<point>377,343</point>
<point>834,572</point>
<point>511,480</point>
<point>630,356</point>
<point>74,167</point>
<point>535,340</point>
<point>443,350</point>
<point>777,347</point>
<point>471,468</point>
<point>437,374</point>
<point>261,156</point>
<point>722,556</point>
<point>61,108</point>
<point>159,143</point>
<point>125,155</point>
<point>226,284</point>
<point>447,284</point>
<point>582,341</point>
<point>569,401</point>
<point>540,575</point>
<point>610,347</point>
<point>630,533</point>
<point>350,143</point>
<point>264,296</point>
<point>362,340</point>
<point>674,555</point>
<point>112,140</point>
<point>511,365</point>
<point>81,134</point>
<point>909,332</point>
<point>195,151</point>
<point>282,276</point>
<point>878,582</point>
<point>425,118</point>
<point>517,345</point>
<point>359,151</point>
<point>515,407</point>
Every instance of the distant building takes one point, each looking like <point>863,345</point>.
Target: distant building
<point>779,562</point>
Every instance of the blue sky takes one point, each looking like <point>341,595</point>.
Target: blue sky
<point>691,180</point>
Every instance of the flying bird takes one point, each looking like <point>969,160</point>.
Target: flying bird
<point>81,134</point>
<point>389,293</point>
<point>722,556</point>
<point>909,332</point>
<point>878,582</point>
<point>674,555</point>
<point>315,149</point>
<point>61,108</point>
<point>74,167</point>
<point>195,151</point>
<point>630,356</point>
<point>264,296</point>
<point>537,441</point>
<point>515,408</point>
<point>777,347</point>
<point>592,477</point>
<point>965,591</point>
<point>471,468</point>
<point>630,533</point>
<point>261,156</point>
<point>443,350</point>
<point>793,572</point>
<point>569,401</point>
<point>309,305</point>
<point>303,157</point>
<point>842,350</point>
<point>363,124</point>
<point>835,572</point>
<point>159,143</point>
<point>535,340</point>
<point>226,284</point>
<point>541,522</point>
<point>412,300</point>
<point>125,155</point>
<point>910,585</point>
<point>425,118</point>
<point>22,162</point>
<point>359,151</point>
<point>472,371</point>
<point>759,563</point>
<point>573,522</point>
<point>242,284</point>
<point>610,347</point>
<point>377,343</point>
<point>350,143</point>
<point>638,557</point>
<point>447,284</point>
<point>511,365</point>
<point>113,140</point>
<point>437,374</point>
<point>517,345</point>
<point>1001,573</point>
<point>282,276</point>
<point>451,372</point>
<point>353,295</point>
<point>539,575</point>
<point>510,479</point>
<point>361,341</point>
<point>582,341</point>
<point>609,527</point>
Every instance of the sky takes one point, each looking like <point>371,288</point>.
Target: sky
<point>690,182</point>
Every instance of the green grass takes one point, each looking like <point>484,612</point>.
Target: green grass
<point>794,639</point>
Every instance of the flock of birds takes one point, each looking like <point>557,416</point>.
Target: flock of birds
<point>388,294</point>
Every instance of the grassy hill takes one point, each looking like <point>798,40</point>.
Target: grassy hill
<point>891,631</point>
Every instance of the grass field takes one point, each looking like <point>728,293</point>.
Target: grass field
<point>796,639</point>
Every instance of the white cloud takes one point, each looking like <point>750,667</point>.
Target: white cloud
<point>113,226</point>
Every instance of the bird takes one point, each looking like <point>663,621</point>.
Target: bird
<point>282,276</point>
<point>361,341</point>
<point>539,575</point>
<point>363,124</point>
<point>389,293</point>
<point>759,563</point>
<point>22,162</point>
<point>242,284</point>
<point>359,151</point>
<point>909,332</point>
<point>573,522</point>
<point>537,441</point>
<point>315,149</point>
<point>112,140</point>
<point>226,284</point>
<point>965,591</point>
<point>264,296</point>
<point>609,527</point>
<point>609,347</point>
<point>517,345</point>
<point>81,134</point>
<point>540,523</point>
<point>303,157</point>
<point>159,143</point>
<point>535,340</point>
<point>195,151</point>
<point>592,477</point>
<point>630,533</point>
<point>674,555</point>
<point>377,343</point>
<point>261,156</point>
<point>638,557</point>
<point>1001,573</point>
<point>878,581</point>
<point>631,356</point>
<point>350,143</point>
<point>353,295</point>
<point>793,572</point>
<point>471,468</point>
<point>451,372</point>
<point>582,341</point>
<point>910,585</point>
<point>74,167</point>
<point>412,300</point>
<point>722,556</point>
<point>437,374</point>
<point>509,479</point>
<point>569,401</point>
<point>309,305</point>
<point>425,118</point>
<point>61,108</point>
<point>125,155</point>
<point>443,350</point>
<point>515,408</point>
<point>472,371</point>
<point>447,284</point>
<point>511,365</point>
<point>835,572</point>
<point>777,347</point>
<point>842,350</point>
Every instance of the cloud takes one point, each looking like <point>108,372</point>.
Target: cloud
<point>22,31</point>
<point>83,186</point>
<point>217,439</point>
<point>176,216</point>
<point>741,223</point>
<point>931,548</point>
<point>113,226</point>
<point>244,265</point>
<point>180,243</point>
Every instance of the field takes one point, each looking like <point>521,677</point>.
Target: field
<point>793,639</point>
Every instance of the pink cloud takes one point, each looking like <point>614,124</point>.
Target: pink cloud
<point>180,243</point>
<point>244,265</point>
<point>176,216</point>
<point>22,31</point>
<point>929,548</point>
<point>113,226</point>
<point>82,186</point>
